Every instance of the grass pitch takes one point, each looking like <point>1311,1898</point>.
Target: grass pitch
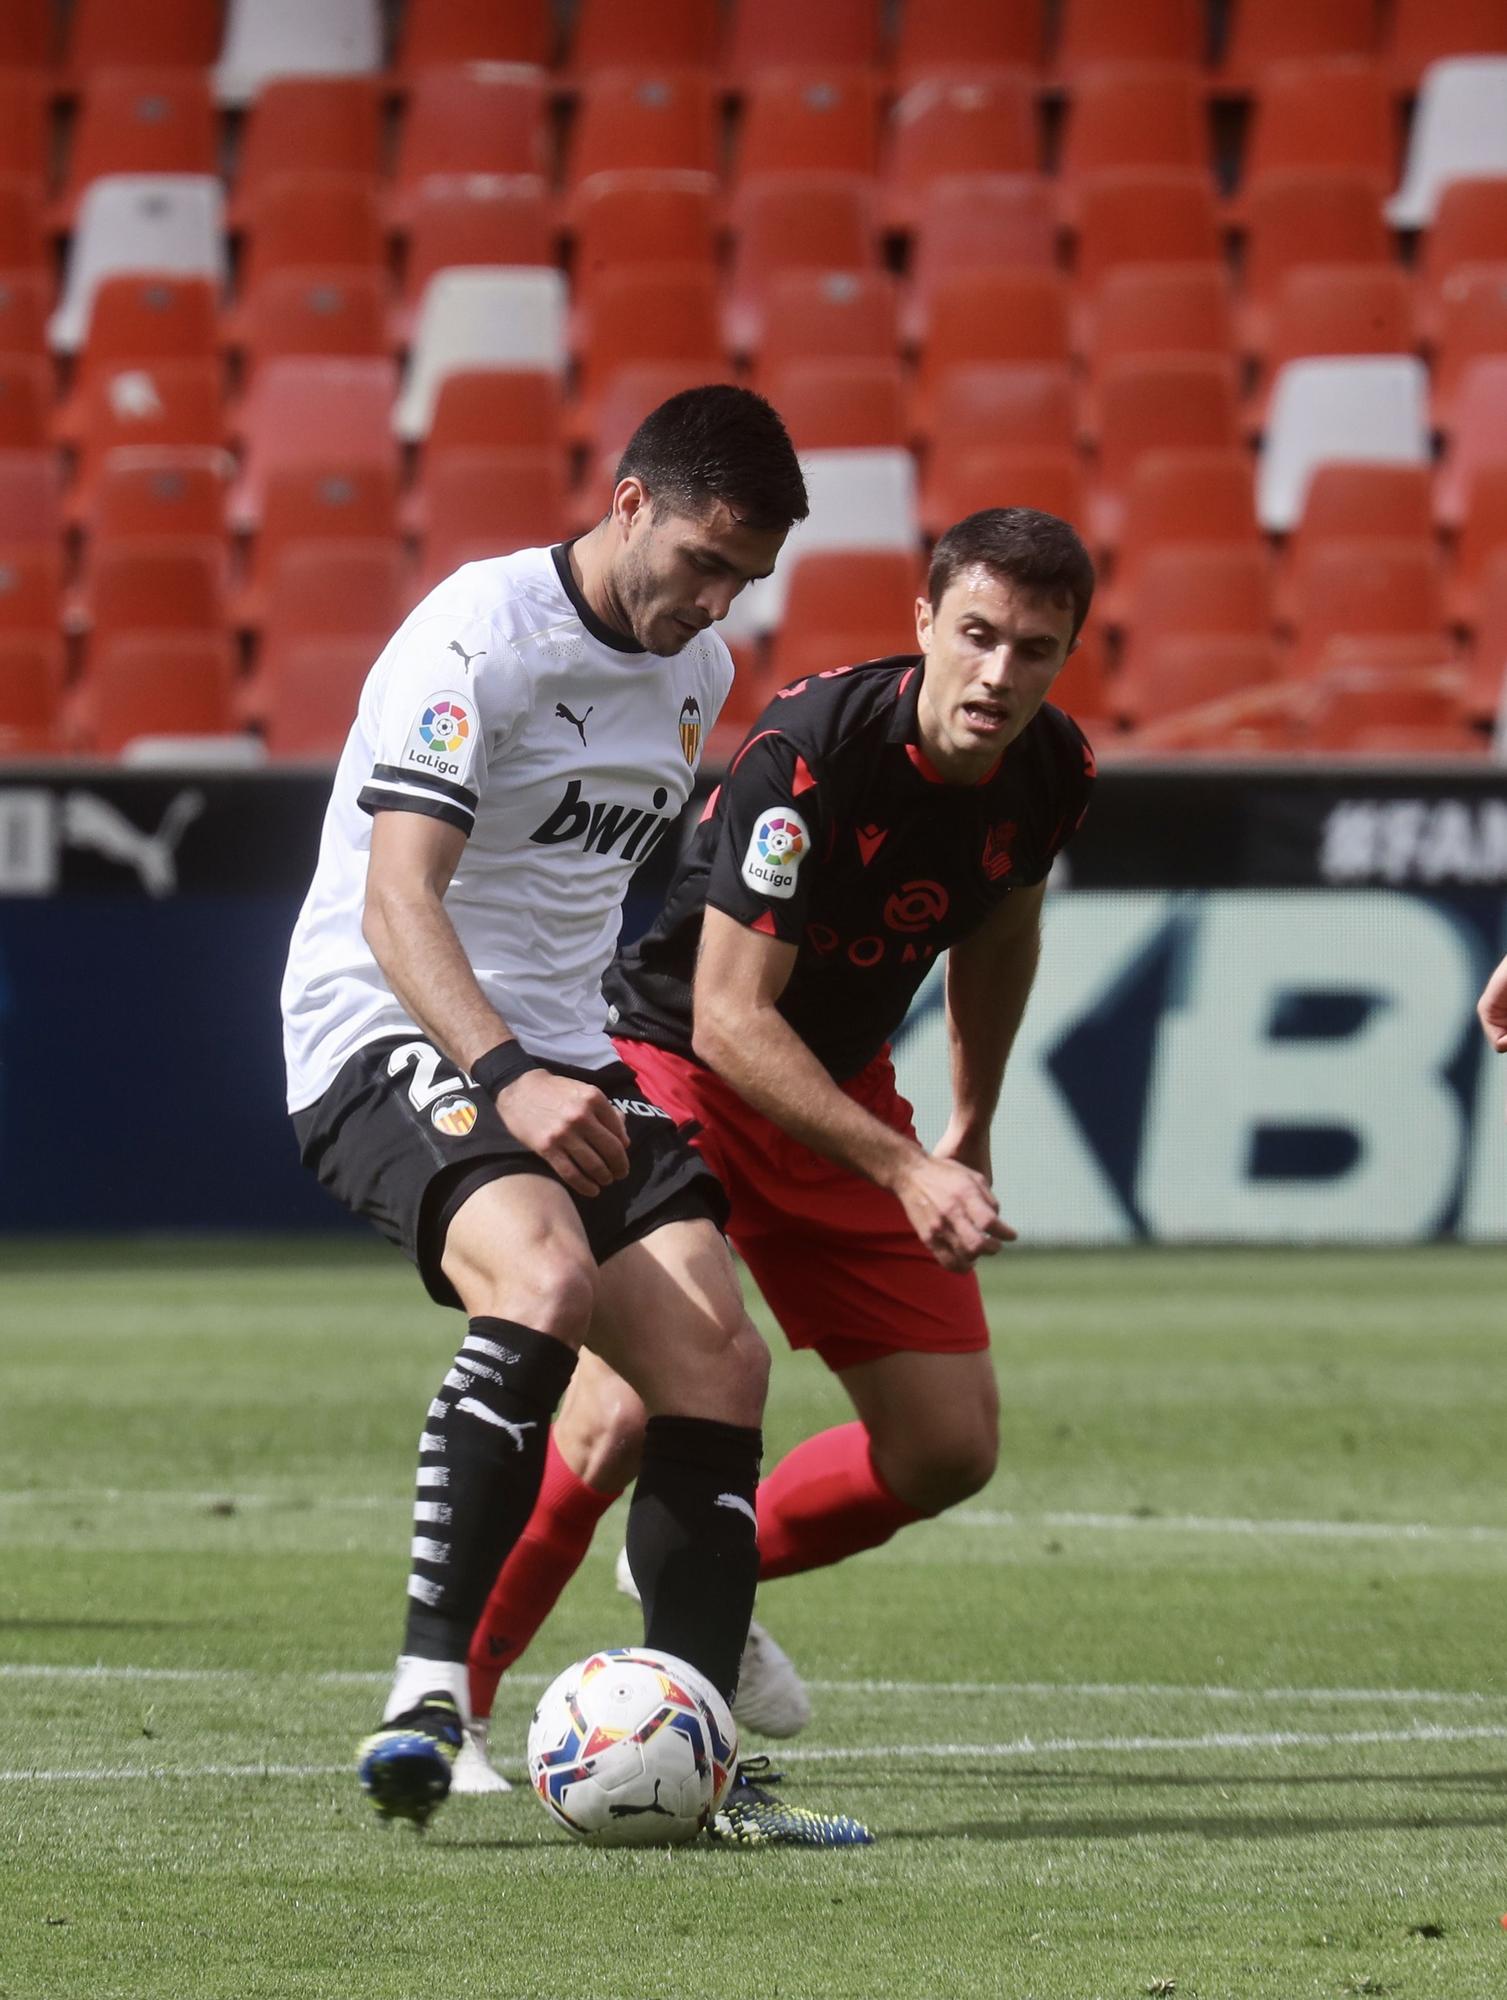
<point>1205,1696</point>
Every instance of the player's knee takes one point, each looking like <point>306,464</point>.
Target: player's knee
<point>725,1375</point>
<point>553,1290</point>
<point>602,1435</point>
<point>932,1473</point>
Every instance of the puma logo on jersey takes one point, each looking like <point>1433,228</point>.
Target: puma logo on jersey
<point>604,826</point>
<point>465,657</point>
<point>576,721</point>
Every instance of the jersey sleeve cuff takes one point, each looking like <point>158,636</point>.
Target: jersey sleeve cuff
<point>377,798</point>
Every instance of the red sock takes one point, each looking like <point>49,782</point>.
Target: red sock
<point>543,1560</point>
<point>824,1501</point>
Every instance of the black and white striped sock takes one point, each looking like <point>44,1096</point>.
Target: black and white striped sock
<point>481,1458</point>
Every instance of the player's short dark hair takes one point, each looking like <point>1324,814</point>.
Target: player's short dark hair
<point>1036,551</point>
<point>718,443</point>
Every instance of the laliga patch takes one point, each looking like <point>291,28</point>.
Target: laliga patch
<point>443,735</point>
<point>454,1116</point>
<point>778,845</point>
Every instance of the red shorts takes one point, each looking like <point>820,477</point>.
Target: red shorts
<point>839,1265</point>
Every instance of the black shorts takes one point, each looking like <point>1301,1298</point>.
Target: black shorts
<point>404,1139</point>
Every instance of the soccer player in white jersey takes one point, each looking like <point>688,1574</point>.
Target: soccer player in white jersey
<point>527,736</point>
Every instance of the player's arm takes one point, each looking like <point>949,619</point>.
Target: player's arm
<point>570,1125</point>
<point>1491,1009</point>
<point>739,1032</point>
<point>989,975</point>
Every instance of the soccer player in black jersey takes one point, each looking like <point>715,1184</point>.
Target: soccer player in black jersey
<point>875,817</point>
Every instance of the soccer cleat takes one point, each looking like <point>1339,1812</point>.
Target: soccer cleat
<point>475,1773</point>
<point>750,1817</point>
<point>405,1766</point>
<point>771,1698</point>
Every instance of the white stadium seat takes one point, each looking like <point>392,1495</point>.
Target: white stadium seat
<point>480,316</point>
<point>270,38</point>
<point>139,222</point>
<point>1371,409</point>
<point>1459,133</point>
<point>859,500</point>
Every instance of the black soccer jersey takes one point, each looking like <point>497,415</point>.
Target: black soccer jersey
<point>833,832</point>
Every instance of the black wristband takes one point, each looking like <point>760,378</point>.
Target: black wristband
<point>503,1065</point>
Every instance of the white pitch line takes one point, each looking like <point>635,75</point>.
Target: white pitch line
<point>1059,1746</point>
<point>1216,1524</point>
<point>1300,1697</point>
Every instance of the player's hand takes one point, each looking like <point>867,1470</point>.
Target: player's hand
<point>1491,1009</point>
<point>570,1125</point>
<point>969,1149</point>
<point>953,1211</point>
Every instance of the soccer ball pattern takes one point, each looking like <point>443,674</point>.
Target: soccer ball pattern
<point>631,1749</point>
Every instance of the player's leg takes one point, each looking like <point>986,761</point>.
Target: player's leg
<point>515,1255</point>
<point>592,1457</point>
<point>927,1437</point>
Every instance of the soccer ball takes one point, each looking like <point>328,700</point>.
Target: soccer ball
<point>631,1749</point>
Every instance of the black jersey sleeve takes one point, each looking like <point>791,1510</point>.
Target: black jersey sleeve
<point>1070,781</point>
<point>769,825</point>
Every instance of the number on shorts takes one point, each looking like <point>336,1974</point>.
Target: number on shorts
<point>423,1089</point>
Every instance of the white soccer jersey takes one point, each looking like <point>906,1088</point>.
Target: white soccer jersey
<point>503,706</point>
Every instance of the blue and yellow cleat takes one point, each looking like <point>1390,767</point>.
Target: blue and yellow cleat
<point>750,1817</point>
<point>405,1766</point>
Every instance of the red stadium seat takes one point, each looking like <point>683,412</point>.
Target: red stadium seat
<point>31,692</point>
<point>308,503</point>
<point>335,312</point>
<point>152,584</point>
<point>645,119</point>
<point>1007,406</point>
<point>629,220</point>
<point>1395,699</point>
<point>839,405</point>
<point>1192,591</point>
<point>1421,32</point>
<point>938,36</point>
<point>1102,31</point>
<point>1472,325</point>
<point>154,683</point>
<point>307,125</point>
<point>782,222</point>
<point>25,299</point>
<point>810,121</point>
<point>1304,218</point>
<point>1184,403</point>
<point>1335,115</point>
<point>960,479</point>
<point>1180,497</point>
<point>471,219</point>
<point>25,400</point>
<point>147,34</point>
<point>1150,215</point>
<point>776,34</point>
<point>31,585</point>
<point>30,489</point>
<point>437,33</point>
<point>1483,534</point>
<point>822,315</point>
<point>1355,502</point>
<point>28,34</point>
<point>1159,309</point>
<point>1480,435</point>
<point>485,119</point>
<point>1180,671</point>
<point>332,607</point>
<point>1134,115</point>
<point>300,410</point>
<point>651,313</point>
<point>1321,309</point>
<point>140,121</point>
<point>968,220</point>
<point>488,503</point>
<point>160,492</point>
<point>25,137</point>
<point>1486,683</point>
<point>142,319</point>
<point>846,606</point>
<point>610,36</point>
<point>1470,227</point>
<point>506,409</point>
<point>143,405</point>
<point>1369,589</point>
<point>990,316</point>
<point>983,122</point>
<point>304,220</point>
<point>1081,688</point>
<point>23,234</point>
<point>1264,32</point>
